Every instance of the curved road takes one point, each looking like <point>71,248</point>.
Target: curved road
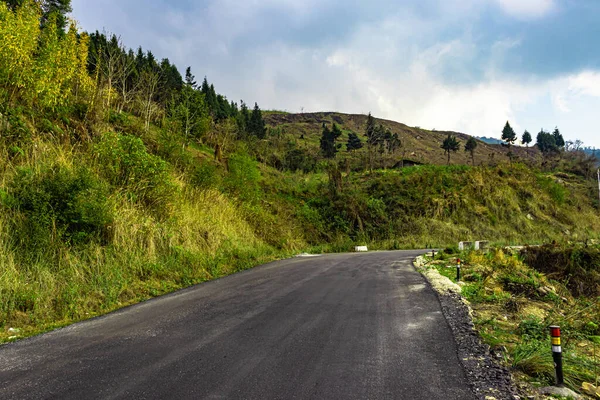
<point>345,326</point>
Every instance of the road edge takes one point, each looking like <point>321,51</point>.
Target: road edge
<point>487,378</point>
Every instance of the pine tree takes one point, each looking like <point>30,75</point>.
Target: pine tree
<point>328,145</point>
<point>526,139</point>
<point>190,79</point>
<point>256,125</point>
<point>470,146</point>
<point>450,144</point>
<point>509,136</point>
<point>546,142</point>
<point>243,120</point>
<point>56,10</point>
<point>559,141</point>
<point>205,88</point>
<point>370,132</point>
<point>50,8</point>
<point>354,142</point>
<point>391,142</point>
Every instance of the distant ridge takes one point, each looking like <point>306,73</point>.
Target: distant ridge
<point>490,140</point>
<point>421,146</point>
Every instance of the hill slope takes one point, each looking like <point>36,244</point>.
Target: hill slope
<point>419,145</point>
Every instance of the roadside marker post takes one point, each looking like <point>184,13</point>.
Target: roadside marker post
<point>458,270</point>
<point>557,354</point>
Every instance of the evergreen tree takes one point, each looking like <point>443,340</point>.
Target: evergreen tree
<point>450,144</point>
<point>51,9</point>
<point>234,109</point>
<point>370,133</point>
<point>190,79</point>
<point>391,141</point>
<point>171,83</point>
<point>57,10</point>
<point>256,124</point>
<point>526,139</point>
<point>470,147</point>
<point>205,88</point>
<point>509,136</point>
<point>546,142</point>
<point>354,142</point>
<point>328,145</point>
<point>559,141</point>
<point>243,120</point>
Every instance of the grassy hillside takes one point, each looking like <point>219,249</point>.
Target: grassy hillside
<point>418,145</point>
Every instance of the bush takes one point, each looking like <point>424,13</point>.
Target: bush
<point>206,175</point>
<point>125,163</point>
<point>578,266</point>
<point>13,126</point>
<point>56,201</point>
<point>533,328</point>
<point>243,178</point>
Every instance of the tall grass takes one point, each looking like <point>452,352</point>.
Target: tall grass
<point>198,234</point>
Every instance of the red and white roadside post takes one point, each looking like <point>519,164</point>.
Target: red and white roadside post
<point>557,354</point>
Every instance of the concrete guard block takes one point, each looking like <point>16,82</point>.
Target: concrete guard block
<point>360,248</point>
<point>462,246</point>
<point>482,245</point>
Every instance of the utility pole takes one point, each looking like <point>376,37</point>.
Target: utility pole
<point>599,183</point>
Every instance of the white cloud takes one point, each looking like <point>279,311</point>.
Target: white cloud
<point>586,83</point>
<point>526,8</point>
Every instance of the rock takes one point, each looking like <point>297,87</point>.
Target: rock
<point>590,389</point>
<point>530,217</point>
<point>543,290</point>
<point>559,391</point>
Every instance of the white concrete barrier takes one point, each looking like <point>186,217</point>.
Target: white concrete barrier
<point>482,245</point>
<point>462,246</point>
<point>360,248</point>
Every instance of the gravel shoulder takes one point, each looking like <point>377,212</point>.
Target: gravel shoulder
<point>486,376</point>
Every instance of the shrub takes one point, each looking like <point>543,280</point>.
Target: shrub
<point>206,175</point>
<point>56,201</point>
<point>243,178</point>
<point>579,267</point>
<point>126,164</point>
<point>533,328</point>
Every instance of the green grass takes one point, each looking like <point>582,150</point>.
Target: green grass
<point>510,312</point>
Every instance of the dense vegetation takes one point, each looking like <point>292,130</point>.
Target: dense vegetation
<point>516,295</point>
<point>121,179</point>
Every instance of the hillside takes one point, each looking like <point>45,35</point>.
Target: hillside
<point>419,145</point>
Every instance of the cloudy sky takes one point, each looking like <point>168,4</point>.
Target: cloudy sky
<point>463,65</point>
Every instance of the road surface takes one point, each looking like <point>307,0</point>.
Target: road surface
<point>345,326</point>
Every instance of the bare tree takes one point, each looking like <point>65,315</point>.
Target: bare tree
<point>148,87</point>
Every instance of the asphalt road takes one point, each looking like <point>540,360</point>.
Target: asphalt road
<point>347,326</point>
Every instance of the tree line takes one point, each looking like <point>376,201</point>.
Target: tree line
<point>548,143</point>
<point>48,66</point>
